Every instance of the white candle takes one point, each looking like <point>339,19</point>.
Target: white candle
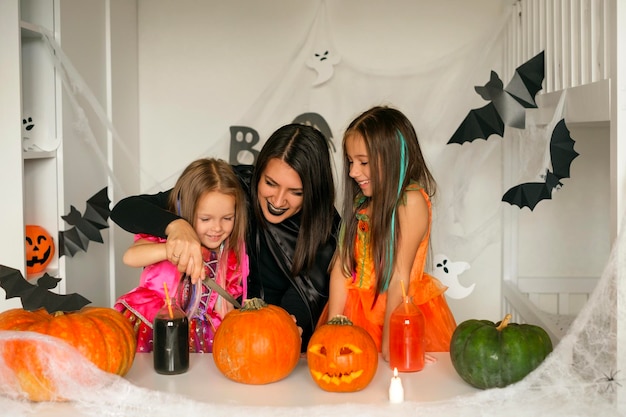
<point>396,391</point>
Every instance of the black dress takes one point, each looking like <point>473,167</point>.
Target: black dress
<point>270,248</point>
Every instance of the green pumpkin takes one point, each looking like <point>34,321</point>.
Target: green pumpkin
<point>488,355</point>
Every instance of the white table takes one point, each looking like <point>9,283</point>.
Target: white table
<point>298,392</point>
<point>204,382</point>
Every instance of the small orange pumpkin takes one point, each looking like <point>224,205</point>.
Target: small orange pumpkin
<point>39,249</point>
<point>102,335</point>
<point>342,357</point>
<point>257,344</point>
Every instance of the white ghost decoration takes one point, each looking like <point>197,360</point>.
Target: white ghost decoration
<point>448,273</point>
<point>34,140</point>
<point>323,63</point>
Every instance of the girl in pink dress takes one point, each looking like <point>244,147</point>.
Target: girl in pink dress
<point>209,196</point>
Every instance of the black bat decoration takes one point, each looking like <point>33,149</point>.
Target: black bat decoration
<point>562,154</point>
<point>86,227</point>
<point>507,106</point>
<point>36,296</point>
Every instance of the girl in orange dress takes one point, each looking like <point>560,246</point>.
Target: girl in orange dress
<point>385,232</point>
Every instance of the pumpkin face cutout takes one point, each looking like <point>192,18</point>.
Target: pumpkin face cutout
<point>342,357</point>
<point>39,249</point>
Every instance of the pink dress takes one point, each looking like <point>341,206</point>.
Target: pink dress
<point>141,304</point>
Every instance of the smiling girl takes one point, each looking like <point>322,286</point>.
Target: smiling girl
<point>209,196</point>
<point>386,231</point>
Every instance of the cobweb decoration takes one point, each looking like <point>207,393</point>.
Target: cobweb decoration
<point>579,378</point>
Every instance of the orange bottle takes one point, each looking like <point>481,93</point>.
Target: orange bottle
<point>406,337</point>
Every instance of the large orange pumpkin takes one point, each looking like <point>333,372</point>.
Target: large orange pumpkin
<point>102,335</point>
<point>342,357</point>
<point>39,249</point>
<point>257,344</point>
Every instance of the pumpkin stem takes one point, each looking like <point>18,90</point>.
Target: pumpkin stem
<point>504,322</point>
<point>253,304</point>
<point>340,320</point>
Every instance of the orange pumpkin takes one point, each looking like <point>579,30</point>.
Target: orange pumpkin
<point>102,335</point>
<point>342,357</point>
<point>39,249</point>
<point>257,344</point>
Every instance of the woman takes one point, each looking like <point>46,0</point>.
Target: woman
<point>291,234</point>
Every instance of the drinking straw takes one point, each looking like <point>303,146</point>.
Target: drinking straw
<point>168,300</point>
<point>406,308</point>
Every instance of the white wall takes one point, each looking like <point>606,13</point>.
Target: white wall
<point>203,63</point>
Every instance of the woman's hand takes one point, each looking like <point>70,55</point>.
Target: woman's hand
<point>183,249</point>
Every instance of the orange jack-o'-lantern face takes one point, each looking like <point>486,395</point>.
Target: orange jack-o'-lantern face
<point>342,357</point>
<point>39,249</point>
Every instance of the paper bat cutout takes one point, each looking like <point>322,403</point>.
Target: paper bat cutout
<point>507,107</point>
<point>562,154</point>
<point>86,227</point>
<point>36,296</point>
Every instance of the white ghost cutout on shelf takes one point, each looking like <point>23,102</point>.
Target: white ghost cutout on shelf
<point>323,63</point>
<point>32,140</point>
<point>448,273</point>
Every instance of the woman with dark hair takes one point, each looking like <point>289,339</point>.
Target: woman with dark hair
<point>291,234</point>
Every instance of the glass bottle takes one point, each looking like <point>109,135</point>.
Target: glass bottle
<point>406,337</point>
<point>171,340</point>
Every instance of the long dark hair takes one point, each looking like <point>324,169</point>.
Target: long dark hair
<point>395,159</point>
<point>304,149</point>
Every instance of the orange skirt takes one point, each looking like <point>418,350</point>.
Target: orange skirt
<point>428,295</point>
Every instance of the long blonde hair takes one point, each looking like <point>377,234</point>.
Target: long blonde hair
<point>206,175</point>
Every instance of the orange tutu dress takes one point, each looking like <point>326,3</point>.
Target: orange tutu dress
<point>426,290</point>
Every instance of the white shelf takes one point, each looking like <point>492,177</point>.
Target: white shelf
<point>39,154</point>
<point>29,30</point>
<point>587,104</point>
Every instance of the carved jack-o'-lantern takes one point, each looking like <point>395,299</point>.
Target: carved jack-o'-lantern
<point>39,249</point>
<point>342,357</point>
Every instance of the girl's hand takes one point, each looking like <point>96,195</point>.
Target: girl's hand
<point>296,321</point>
<point>183,249</point>
<point>385,350</point>
<point>303,354</point>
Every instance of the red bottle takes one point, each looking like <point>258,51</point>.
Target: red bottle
<point>406,338</point>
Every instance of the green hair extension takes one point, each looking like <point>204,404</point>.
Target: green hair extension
<point>390,249</point>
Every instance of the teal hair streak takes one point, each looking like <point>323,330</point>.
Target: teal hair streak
<point>390,249</point>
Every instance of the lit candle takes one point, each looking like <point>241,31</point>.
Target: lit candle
<point>396,391</point>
